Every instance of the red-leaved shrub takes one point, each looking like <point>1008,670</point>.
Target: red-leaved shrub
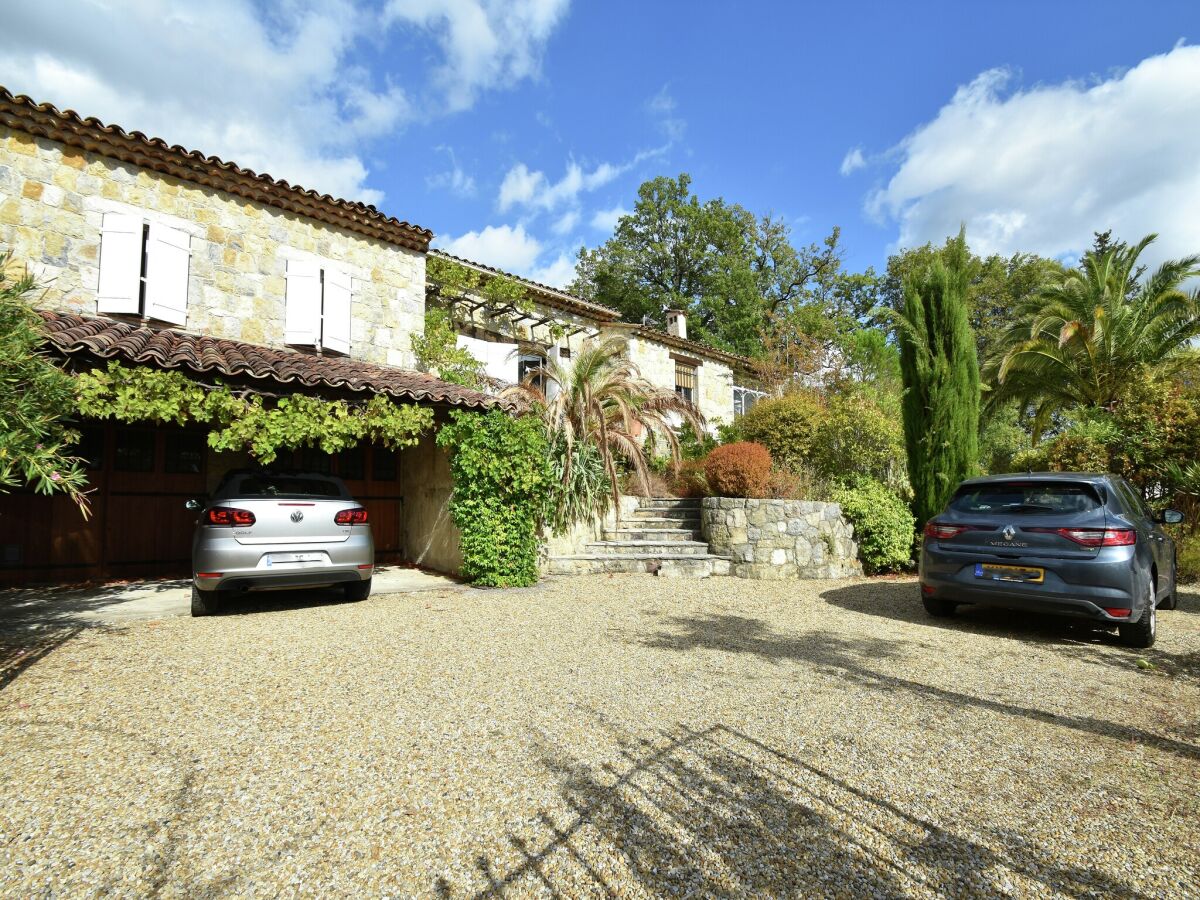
<point>739,470</point>
<point>691,481</point>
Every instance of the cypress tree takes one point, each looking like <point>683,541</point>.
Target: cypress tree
<point>941,379</point>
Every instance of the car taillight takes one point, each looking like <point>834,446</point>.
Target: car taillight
<point>934,530</point>
<point>1095,537</point>
<point>229,517</point>
<point>351,517</point>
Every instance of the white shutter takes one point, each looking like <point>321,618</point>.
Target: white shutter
<point>335,313</point>
<point>120,265</point>
<point>302,316</point>
<point>167,255</point>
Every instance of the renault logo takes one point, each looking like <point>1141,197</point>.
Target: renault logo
<point>297,516</point>
<point>1009,532</point>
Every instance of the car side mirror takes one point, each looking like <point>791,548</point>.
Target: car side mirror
<point>193,505</point>
<point>1172,517</point>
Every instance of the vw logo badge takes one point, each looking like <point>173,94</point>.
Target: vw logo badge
<point>297,516</point>
<point>1009,532</point>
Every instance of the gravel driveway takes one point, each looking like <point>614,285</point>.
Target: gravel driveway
<point>602,736</point>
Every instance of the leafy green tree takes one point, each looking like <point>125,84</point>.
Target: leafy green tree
<point>941,379</point>
<point>36,399</point>
<point>996,285</point>
<point>733,273</point>
<point>1085,337</point>
<point>436,350</point>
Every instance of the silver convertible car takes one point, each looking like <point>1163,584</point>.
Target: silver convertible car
<point>264,530</point>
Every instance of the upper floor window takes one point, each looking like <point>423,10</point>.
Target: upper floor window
<point>532,366</point>
<point>685,381</point>
<point>143,269</point>
<point>318,306</point>
<point>744,400</point>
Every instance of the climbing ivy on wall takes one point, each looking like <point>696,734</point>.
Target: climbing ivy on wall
<point>241,420</point>
<point>501,475</point>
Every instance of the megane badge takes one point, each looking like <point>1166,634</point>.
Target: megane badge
<point>297,516</point>
<point>1009,532</point>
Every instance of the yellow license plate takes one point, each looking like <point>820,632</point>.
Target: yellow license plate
<point>1022,574</point>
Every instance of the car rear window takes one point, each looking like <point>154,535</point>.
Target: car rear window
<point>294,486</point>
<point>1026,498</point>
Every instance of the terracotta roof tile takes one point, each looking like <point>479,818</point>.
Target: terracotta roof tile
<point>552,297</point>
<point>68,127</point>
<point>171,349</point>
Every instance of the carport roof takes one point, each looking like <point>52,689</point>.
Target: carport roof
<point>74,335</point>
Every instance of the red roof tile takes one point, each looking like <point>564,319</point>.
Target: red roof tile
<point>68,127</point>
<point>171,349</point>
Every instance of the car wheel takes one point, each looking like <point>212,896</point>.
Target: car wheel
<point>358,590</point>
<point>1141,633</point>
<point>204,603</point>
<point>939,608</point>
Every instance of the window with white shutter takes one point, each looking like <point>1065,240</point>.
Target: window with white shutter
<point>121,243</point>
<point>143,269</point>
<point>168,252</point>
<point>318,306</point>
<point>302,316</point>
<point>335,312</point>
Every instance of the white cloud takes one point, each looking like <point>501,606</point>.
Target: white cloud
<point>454,179</point>
<point>853,161</point>
<point>566,222</point>
<point>559,273</point>
<point>662,108</point>
<point>1041,169</point>
<point>521,187</point>
<point>502,246</point>
<point>485,43</point>
<point>606,219</point>
<point>275,90</point>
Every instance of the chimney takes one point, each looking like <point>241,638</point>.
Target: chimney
<point>677,323</point>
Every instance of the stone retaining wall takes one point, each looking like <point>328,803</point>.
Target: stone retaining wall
<point>779,539</point>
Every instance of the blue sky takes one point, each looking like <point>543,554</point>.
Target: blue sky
<point>517,131</point>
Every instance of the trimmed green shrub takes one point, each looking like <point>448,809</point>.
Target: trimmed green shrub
<point>501,478</point>
<point>843,435</point>
<point>883,525</point>
<point>739,470</point>
<point>786,426</point>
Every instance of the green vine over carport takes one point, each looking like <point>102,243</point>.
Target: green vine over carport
<point>242,420</point>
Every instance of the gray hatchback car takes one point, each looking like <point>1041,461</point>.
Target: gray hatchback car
<point>1072,544</point>
<point>266,530</point>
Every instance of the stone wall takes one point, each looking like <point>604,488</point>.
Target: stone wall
<point>431,539</point>
<point>579,535</point>
<point>714,380</point>
<point>52,203</point>
<point>779,539</point>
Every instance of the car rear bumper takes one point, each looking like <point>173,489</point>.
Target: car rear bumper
<point>222,563</point>
<point>1079,589</point>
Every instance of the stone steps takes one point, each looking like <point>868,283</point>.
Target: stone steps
<point>662,566</point>
<point>637,533</point>
<point>690,523</point>
<point>660,537</point>
<point>656,549</point>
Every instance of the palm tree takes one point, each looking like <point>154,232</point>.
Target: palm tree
<point>599,410</point>
<point>1082,340</point>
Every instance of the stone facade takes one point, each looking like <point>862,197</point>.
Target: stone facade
<point>52,203</point>
<point>714,380</point>
<point>780,539</point>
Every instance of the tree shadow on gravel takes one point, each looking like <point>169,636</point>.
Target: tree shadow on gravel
<point>849,659</point>
<point>21,648</point>
<point>58,605</point>
<point>900,601</point>
<point>714,812</point>
<point>1066,637</point>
